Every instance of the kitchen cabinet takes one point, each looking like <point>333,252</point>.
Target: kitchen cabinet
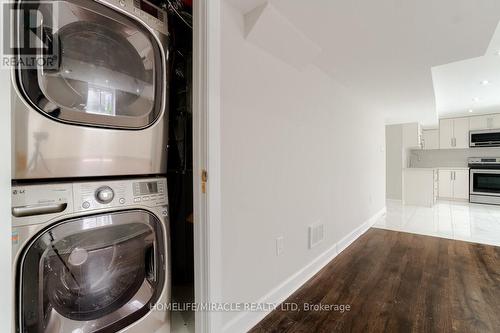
<point>461,132</point>
<point>430,139</point>
<point>461,184</point>
<point>454,133</point>
<point>412,135</point>
<point>445,183</point>
<point>446,133</point>
<point>489,121</point>
<point>454,184</point>
<point>420,186</point>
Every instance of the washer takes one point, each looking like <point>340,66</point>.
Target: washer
<point>91,256</point>
<point>99,106</point>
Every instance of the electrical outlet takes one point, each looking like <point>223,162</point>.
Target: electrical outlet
<point>279,246</point>
<point>316,234</point>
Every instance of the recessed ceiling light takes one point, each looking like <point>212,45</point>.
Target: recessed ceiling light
<point>485,82</point>
<point>497,53</point>
<point>470,110</point>
<point>475,99</point>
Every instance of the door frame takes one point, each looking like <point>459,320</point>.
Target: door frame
<point>6,278</point>
<point>206,151</point>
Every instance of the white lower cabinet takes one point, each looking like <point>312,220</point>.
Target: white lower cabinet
<point>454,184</point>
<point>420,186</point>
<point>461,184</point>
<point>445,183</point>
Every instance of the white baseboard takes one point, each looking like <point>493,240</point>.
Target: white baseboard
<point>356,233</point>
<point>246,320</point>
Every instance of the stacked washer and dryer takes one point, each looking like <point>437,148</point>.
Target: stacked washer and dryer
<point>90,232</point>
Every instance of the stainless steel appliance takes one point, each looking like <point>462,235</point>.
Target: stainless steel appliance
<point>91,256</point>
<point>484,138</point>
<point>484,180</point>
<point>102,110</point>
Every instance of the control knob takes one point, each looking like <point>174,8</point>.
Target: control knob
<point>104,194</point>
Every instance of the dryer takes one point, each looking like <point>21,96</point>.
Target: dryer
<point>100,108</point>
<point>91,256</point>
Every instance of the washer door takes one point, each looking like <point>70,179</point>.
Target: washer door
<point>94,273</point>
<point>108,72</point>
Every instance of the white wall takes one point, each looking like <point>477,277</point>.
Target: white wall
<point>295,151</point>
<point>394,161</point>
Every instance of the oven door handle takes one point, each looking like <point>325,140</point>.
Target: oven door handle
<point>490,171</point>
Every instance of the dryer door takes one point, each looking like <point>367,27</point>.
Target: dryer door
<point>108,71</point>
<point>94,273</point>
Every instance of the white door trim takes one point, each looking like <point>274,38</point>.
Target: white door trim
<point>206,150</point>
<point>6,278</point>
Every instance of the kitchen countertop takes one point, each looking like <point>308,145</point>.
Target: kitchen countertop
<point>420,168</point>
<point>454,168</point>
<point>441,167</point>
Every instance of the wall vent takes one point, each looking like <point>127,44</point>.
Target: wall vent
<point>316,234</point>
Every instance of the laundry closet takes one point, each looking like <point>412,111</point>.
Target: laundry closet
<point>102,167</point>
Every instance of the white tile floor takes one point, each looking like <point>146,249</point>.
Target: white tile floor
<point>453,220</point>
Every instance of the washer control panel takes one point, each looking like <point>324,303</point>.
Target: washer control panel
<point>104,194</point>
<point>95,195</point>
<point>38,203</point>
<point>33,204</point>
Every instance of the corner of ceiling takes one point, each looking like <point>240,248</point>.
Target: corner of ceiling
<point>267,28</point>
<point>252,17</point>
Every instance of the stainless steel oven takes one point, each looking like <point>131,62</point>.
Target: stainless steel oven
<point>485,180</point>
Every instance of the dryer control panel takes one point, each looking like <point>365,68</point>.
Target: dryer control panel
<point>150,14</point>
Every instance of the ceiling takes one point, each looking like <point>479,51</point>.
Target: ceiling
<point>384,51</point>
<point>470,86</point>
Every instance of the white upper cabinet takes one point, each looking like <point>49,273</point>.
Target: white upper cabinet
<point>489,121</point>
<point>461,132</point>
<point>479,123</point>
<point>495,121</point>
<point>412,135</point>
<point>446,133</point>
<point>454,133</point>
<point>430,139</point>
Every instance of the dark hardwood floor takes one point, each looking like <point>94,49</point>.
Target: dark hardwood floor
<point>400,282</point>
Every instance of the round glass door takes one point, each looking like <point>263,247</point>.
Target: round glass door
<point>108,72</point>
<point>92,273</point>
